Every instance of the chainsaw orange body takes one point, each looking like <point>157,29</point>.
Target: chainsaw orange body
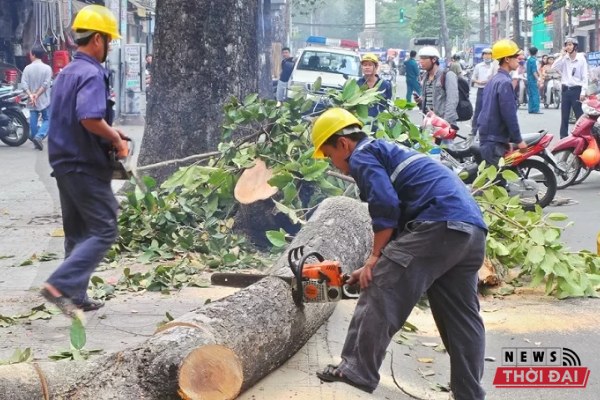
<point>322,282</point>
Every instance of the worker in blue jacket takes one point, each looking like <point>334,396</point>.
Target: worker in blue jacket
<point>497,123</point>
<point>412,77</point>
<point>429,237</point>
<point>370,79</point>
<point>533,76</point>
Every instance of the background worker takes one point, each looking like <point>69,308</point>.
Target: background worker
<point>533,75</point>
<point>482,73</point>
<point>411,68</point>
<point>573,70</point>
<point>370,79</point>
<point>419,247</point>
<point>498,124</point>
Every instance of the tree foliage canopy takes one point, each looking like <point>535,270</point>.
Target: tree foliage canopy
<point>427,23</point>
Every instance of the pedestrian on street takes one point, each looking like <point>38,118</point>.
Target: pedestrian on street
<point>411,68</point>
<point>440,88</point>
<point>498,124</point>
<point>36,80</point>
<point>455,65</point>
<point>370,79</point>
<point>80,139</point>
<point>573,70</point>
<point>287,66</point>
<point>419,247</point>
<point>533,92</point>
<point>482,73</point>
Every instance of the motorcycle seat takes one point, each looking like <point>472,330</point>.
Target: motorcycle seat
<point>533,138</point>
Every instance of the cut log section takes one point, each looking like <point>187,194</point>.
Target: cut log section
<point>234,341</point>
<point>491,273</point>
<point>253,184</point>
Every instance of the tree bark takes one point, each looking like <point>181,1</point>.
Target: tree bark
<point>445,35</point>
<point>238,339</point>
<point>482,24</point>
<point>205,52</point>
<point>516,23</point>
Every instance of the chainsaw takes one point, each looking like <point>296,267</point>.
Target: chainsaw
<point>317,282</point>
<point>123,168</point>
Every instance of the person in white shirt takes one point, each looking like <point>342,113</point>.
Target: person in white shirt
<point>481,75</point>
<point>573,69</point>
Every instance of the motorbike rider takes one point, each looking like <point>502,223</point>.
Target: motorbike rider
<point>455,65</point>
<point>481,75</point>
<point>573,70</point>
<point>370,79</point>
<point>429,237</point>
<point>440,93</point>
<point>498,124</point>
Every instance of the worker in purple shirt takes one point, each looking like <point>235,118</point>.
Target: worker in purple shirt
<point>79,141</point>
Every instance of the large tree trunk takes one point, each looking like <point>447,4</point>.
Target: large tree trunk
<point>205,52</point>
<point>445,35</point>
<point>218,349</point>
<point>482,21</point>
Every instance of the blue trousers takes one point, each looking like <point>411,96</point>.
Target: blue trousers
<point>441,259</point>
<point>38,131</point>
<point>89,211</point>
<point>412,86</point>
<point>533,95</point>
<point>569,100</point>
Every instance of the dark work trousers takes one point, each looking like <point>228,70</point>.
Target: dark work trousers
<point>570,99</point>
<point>442,259</point>
<point>89,211</point>
<point>491,153</point>
<point>478,102</point>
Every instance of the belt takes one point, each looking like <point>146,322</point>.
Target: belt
<point>565,87</point>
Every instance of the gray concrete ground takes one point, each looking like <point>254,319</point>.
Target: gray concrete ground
<point>30,216</point>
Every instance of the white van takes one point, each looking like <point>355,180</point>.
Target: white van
<point>333,65</point>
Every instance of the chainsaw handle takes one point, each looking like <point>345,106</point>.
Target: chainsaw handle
<point>296,267</point>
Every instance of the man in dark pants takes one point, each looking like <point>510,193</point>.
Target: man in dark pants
<point>411,68</point>
<point>482,73</point>
<point>498,124</point>
<point>80,137</point>
<point>573,70</point>
<point>429,237</point>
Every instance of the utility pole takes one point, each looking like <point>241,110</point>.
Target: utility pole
<point>445,35</point>
<point>516,23</point>
<point>481,21</point>
<point>526,27</point>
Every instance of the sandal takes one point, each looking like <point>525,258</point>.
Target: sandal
<point>64,304</point>
<point>331,374</point>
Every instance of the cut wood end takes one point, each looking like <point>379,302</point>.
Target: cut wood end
<point>488,275</point>
<point>253,184</point>
<point>211,372</point>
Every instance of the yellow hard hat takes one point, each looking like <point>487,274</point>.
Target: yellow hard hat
<point>504,48</point>
<point>329,123</point>
<point>370,57</point>
<point>98,19</point>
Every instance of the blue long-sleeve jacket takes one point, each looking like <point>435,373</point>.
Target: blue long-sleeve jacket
<point>412,70</point>
<point>497,120</point>
<point>424,190</point>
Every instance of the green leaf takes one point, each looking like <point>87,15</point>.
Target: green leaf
<point>535,255</point>
<point>281,179</point>
<point>557,216</point>
<point>510,175</point>
<point>291,213</point>
<point>250,99</point>
<point>538,236</point>
<point>277,238</point>
<point>78,338</point>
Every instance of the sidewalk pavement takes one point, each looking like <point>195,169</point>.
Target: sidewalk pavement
<point>30,213</point>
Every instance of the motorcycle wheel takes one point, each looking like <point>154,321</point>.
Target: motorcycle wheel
<point>21,127</point>
<point>542,174</point>
<point>568,161</point>
<point>557,100</point>
<point>584,172</point>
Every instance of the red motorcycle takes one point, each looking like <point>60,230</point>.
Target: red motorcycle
<point>536,183</point>
<point>578,153</point>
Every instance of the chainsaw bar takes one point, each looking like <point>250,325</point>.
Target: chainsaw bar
<point>236,280</point>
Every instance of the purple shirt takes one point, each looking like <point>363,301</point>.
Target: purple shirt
<point>80,92</point>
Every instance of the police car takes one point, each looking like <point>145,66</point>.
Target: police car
<point>333,60</point>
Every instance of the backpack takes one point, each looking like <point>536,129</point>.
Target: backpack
<point>464,109</point>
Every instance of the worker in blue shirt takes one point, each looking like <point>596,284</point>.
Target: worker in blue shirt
<point>533,76</point>
<point>429,237</point>
<point>79,141</point>
<point>370,79</point>
<point>412,77</point>
<point>497,123</point>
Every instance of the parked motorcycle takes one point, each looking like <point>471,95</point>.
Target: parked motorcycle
<point>553,89</point>
<point>536,183</point>
<point>386,72</point>
<point>578,153</point>
<point>521,91</point>
<point>14,127</point>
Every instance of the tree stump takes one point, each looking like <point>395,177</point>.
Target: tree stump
<point>219,349</point>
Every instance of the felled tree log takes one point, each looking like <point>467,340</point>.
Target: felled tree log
<point>492,273</point>
<point>219,349</point>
